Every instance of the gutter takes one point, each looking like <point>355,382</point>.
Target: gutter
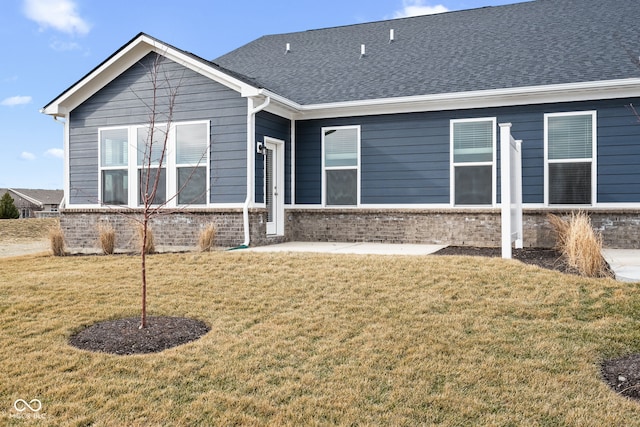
<point>251,132</point>
<point>487,98</point>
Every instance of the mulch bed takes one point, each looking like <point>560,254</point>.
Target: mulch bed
<point>623,375</point>
<point>124,337</point>
<point>542,257</point>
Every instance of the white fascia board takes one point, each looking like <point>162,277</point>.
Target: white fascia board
<point>98,78</point>
<point>280,105</point>
<point>569,92</point>
<point>27,198</point>
<point>125,59</point>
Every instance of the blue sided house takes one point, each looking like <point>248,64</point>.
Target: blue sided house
<point>384,132</point>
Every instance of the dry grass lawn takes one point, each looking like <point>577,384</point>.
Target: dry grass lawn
<point>302,339</point>
<point>22,230</point>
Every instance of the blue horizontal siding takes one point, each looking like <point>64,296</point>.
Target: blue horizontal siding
<point>124,101</point>
<point>273,126</point>
<point>405,158</point>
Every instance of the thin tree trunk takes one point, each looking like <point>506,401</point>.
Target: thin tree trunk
<point>143,319</point>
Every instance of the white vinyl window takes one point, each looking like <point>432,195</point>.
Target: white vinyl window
<point>151,152</point>
<point>114,166</point>
<point>570,147</point>
<point>473,159</point>
<point>192,147</point>
<point>341,166</point>
<point>127,156</point>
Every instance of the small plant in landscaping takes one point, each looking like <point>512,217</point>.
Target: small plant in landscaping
<point>207,238</point>
<point>107,237</point>
<point>150,246</point>
<point>580,244</point>
<point>56,238</point>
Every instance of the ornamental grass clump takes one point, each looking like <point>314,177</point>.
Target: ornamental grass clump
<point>107,238</point>
<point>580,245</point>
<point>207,238</point>
<point>150,247</point>
<point>56,239</point>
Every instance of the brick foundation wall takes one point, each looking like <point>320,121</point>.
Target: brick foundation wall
<point>620,229</point>
<point>171,232</point>
<point>181,230</point>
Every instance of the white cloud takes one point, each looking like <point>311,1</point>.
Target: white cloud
<point>417,8</point>
<point>61,15</point>
<point>25,155</point>
<point>15,100</point>
<point>55,152</point>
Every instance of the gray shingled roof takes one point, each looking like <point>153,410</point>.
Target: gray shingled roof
<point>525,44</point>
<point>47,197</point>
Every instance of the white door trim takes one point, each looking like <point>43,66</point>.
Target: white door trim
<point>276,227</point>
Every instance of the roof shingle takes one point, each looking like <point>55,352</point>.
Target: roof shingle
<point>541,42</point>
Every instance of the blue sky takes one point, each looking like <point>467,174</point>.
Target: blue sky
<point>49,44</point>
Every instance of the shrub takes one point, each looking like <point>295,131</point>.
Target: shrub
<point>150,247</point>
<point>207,238</point>
<point>8,209</point>
<point>107,237</point>
<point>56,238</point>
<point>580,245</point>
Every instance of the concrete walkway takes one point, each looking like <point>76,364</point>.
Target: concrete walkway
<point>624,262</point>
<point>350,248</point>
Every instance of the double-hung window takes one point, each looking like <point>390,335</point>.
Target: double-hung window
<point>152,149</point>
<point>473,143</point>
<point>114,166</point>
<point>569,158</point>
<point>131,158</point>
<point>341,165</point>
<point>192,144</point>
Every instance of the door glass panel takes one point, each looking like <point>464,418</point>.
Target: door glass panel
<point>269,184</point>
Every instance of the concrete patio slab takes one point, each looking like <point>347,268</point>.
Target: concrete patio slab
<point>350,248</point>
<point>625,263</point>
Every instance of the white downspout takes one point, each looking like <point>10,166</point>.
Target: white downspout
<point>251,168</point>
<point>65,164</point>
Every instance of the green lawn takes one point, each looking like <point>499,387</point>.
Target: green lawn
<point>301,339</point>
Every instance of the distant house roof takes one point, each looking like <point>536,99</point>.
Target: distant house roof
<point>543,42</point>
<point>42,197</point>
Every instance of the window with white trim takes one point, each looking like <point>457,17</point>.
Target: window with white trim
<point>569,158</point>
<point>151,151</point>
<point>473,143</point>
<point>114,166</point>
<point>125,161</point>
<point>192,146</point>
<point>341,165</point>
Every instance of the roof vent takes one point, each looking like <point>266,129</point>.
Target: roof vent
<point>363,51</point>
<point>287,48</point>
<point>392,35</point>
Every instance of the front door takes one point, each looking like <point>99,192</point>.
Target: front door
<point>274,185</point>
